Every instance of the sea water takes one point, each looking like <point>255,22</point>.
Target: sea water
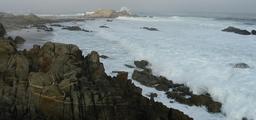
<point>189,50</point>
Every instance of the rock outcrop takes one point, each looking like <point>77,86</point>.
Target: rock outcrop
<point>236,30</point>
<point>178,92</point>
<point>56,82</point>
<point>108,13</point>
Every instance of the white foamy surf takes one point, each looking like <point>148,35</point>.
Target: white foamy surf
<point>186,50</point>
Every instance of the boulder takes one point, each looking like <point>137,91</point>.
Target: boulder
<point>141,64</point>
<point>104,26</point>
<point>253,32</point>
<point>236,30</point>
<point>150,28</point>
<point>19,40</point>
<point>241,65</point>
<point>2,30</point>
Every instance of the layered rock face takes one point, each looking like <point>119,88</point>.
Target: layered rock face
<point>56,82</point>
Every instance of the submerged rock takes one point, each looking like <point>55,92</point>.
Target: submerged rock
<point>19,40</point>
<point>150,28</point>
<point>253,32</point>
<point>75,28</point>
<point>236,30</point>
<point>2,30</point>
<point>104,26</point>
<point>129,66</point>
<point>241,65</point>
<point>43,27</point>
<point>104,57</point>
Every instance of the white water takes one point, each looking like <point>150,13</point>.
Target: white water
<point>186,50</point>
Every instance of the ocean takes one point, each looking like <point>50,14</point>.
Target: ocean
<point>189,50</point>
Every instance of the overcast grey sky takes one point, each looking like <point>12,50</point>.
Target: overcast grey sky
<point>145,6</point>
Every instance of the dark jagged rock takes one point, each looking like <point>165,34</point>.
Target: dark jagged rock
<point>104,57</point>
<point>109,20</point>
<point>2,30</point>
<point>236,30</point>
<point>179,92</point>
<point>186,97</point>
<point>43,27</point>
<point>253,32</point>
<point>241,65</point>
<point>129,66</point>
<point>146,78</point>
<point>150,28</point>
<point>19,40</point>
<point>56,82</point>
<point>177,115</point>
<point>141,64</point>
<point>75,28</point>
<point>104,26</point>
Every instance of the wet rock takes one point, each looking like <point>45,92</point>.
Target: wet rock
<point>129,66</point>
<point>73,28</point>
<point>241,65</point>
<point>109,20</point>
<point>104,57</point>
<point>236,30</point>
<point>146,78</point>
<point>150,28</point>
<point>253,32</point>
<point>43,27</point>
<point>141,64</point>
<point>152,96</point>
<point>104,26</point>
<point>19,40</point>
<point>183,95</point>
<point>2,30</point>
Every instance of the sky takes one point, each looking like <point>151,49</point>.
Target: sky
<point>138,6</point>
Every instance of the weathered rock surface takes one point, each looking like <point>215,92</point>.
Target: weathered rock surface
<point>2,30</point>
<point>236,30</point>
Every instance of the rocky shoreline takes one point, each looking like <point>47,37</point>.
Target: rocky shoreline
<point>55,81</point>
